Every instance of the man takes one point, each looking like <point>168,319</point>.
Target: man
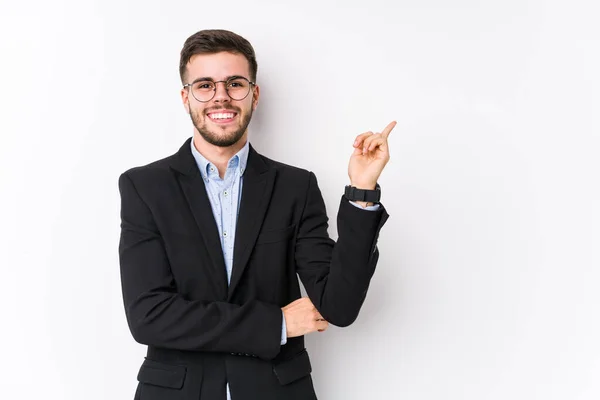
<point>214,236</point>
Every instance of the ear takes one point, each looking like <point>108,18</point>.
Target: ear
<point>255,96</point>
<point>185,99</point>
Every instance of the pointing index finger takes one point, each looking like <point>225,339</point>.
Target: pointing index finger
<point>388,129</point>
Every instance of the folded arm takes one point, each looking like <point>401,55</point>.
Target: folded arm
<point>160,316</point>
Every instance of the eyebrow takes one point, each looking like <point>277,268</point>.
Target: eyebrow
<point>208,78</point>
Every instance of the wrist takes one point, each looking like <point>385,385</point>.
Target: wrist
<point>363,185</point>
<point>364,195</point>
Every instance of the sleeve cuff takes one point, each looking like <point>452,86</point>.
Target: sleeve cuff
<point>374,207</point>
<point>283,330</point>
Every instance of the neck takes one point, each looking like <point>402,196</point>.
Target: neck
<point>219,156</point>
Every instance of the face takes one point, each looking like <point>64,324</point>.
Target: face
<point>221,121</point>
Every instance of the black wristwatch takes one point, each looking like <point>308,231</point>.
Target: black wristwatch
<point>370,196</point>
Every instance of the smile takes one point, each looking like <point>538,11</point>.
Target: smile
<point>222,116</point>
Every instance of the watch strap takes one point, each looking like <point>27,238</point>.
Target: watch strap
<point>370,196</point>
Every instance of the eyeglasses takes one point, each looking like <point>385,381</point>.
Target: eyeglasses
<point>204,90</point>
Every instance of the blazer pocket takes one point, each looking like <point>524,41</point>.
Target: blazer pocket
<point>293,369</point>
<point>164,375</point>
<point>276,235</point>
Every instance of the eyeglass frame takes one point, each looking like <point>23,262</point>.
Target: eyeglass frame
<point>231,78</point>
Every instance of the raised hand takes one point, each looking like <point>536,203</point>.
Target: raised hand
<point>371,154</point>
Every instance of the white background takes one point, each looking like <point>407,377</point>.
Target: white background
<point>488,281</point>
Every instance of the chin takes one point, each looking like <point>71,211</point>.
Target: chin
<point>221,140</point>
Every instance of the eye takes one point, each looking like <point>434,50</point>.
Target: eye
<point>204,85</point>
<point>237,83</point>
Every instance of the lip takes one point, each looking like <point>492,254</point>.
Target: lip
<point>225,110</point>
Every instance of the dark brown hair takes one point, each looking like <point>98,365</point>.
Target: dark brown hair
<point>212,41</point>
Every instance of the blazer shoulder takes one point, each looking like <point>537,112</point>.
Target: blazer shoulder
<point>301,179</point>
<point>152,169</point>
<point>286,170</point>
<point>149,172</point>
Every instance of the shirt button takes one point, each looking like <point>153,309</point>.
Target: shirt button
<point>226,193</point>
<point>225,234</point>
<point>212,169</point>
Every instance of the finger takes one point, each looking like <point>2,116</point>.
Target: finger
<point>379,142</point>
<point>360,138</point>
<point>306,303</point>
<point>358,142</point>
<point>322,326</point>
<point>386,132</point>
<point>367,143</point>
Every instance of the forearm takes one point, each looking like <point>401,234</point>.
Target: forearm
<point>337,275</point>
<point>169,321</point>
<point>353,261</point>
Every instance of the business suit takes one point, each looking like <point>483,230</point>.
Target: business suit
<point>201,332</point>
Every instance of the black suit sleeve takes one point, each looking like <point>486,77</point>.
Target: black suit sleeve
<point>159,316</point>
<point>336,276</point>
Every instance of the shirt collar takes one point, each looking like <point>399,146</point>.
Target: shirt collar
<point>238,161</point>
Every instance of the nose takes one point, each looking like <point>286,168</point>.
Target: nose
<point>221,92</point>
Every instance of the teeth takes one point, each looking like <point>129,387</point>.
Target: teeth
<point>222,116</point>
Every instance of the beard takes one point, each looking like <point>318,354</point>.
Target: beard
<point>222,138</point>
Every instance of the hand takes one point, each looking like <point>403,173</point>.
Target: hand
<point>301,317</point>
<point>371,154</point>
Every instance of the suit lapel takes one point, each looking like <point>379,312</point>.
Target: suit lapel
<point>194,190</point>
<point>256,193</point>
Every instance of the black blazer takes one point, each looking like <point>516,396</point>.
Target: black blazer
<point>202,333</point>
